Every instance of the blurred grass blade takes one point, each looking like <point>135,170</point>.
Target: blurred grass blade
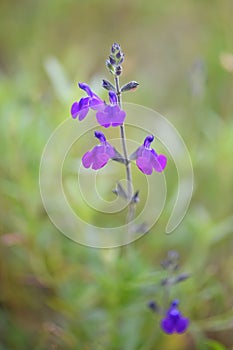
<point>58,79</point>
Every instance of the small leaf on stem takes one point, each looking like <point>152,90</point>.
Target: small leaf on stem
<point>119,191</point>
<point>135,198</point>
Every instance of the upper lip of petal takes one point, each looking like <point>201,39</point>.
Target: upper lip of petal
<point>86,88</point>
<point>112,97</point>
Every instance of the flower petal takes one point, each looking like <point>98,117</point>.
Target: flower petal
<point>103,119</point>
<point>159,162</point>
<point>144,164</point>
<point>99,135</point>
<point>138,152</point>
<point>82,114</point>
<point>87,159</point>
<point>80,108</point>
<point>96,103</point>
<point>181,324</point>
<point>86,88</point>
<point>110,150</point>
<point>167,326</point>
<point>119,117</point>
<point>112,97</point>
<point>74,110</point>
<point>148,140</point>
<point>100,161</point>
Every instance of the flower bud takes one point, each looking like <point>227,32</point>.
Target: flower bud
<point>107,85</point>
<point>132,85</point>
<point>115,47</point>
<point>118,70</point>
<point>112,60</point>
<point>118,55</point>
<point>121,59</point>
<point>110,67</point>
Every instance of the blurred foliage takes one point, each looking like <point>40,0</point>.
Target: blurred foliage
<point>55,294</point>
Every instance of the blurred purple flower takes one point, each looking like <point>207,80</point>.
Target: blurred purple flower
<point>174,322</point>
<point>111,115</point>
<point>81,108</point>
<point>147,159</point>
<point>100,154</point>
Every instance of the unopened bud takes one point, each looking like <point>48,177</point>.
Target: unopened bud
<point>132,85</point>
<point>107,85</point>
<point>112,60</point>
<point>115,47</point>
<point>110,67</point>
<point>118,55</point>
<point>118,70</point>
<point>121,59</point>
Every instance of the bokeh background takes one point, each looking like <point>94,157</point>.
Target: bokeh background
<point>54,293</point>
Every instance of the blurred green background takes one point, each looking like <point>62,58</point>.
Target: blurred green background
<point>54,293</point>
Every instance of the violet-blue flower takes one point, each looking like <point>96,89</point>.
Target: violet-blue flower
<point>111,115</point>
<point>174,322</point>
<point>81,108</point>
<point>100,154</point>
<point>148,160</point>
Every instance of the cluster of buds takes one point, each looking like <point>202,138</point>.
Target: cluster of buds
<point>115,60</point>
<point>113,64</point>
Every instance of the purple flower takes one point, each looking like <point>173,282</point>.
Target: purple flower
<point>147,159</point>
<point>81,108</point>
<point>100,154</point>
<point>174,322</point>
<point>111,115</point>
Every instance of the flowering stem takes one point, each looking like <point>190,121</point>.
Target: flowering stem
<point>131,207</point>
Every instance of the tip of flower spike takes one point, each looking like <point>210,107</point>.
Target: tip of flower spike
<point>115,47</point>
<point>115,60</point>
<point>99,135</point>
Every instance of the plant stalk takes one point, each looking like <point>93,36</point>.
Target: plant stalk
<point>130,191</point>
